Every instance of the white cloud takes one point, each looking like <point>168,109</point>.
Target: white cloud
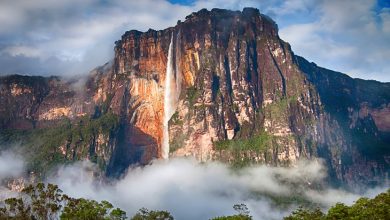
<point>11,165</point>
<point>193,190</point>
<point>228,4</point>
<point>51,29</point>
<point>385,18</point>
<point>22,51</point>
<point>348,36</point>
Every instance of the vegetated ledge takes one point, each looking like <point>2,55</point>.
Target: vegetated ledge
<point>45,148</point>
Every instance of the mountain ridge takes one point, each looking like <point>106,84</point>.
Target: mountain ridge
<point>242,97</point>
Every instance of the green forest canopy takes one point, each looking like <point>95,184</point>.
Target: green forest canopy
<point>47,201</point>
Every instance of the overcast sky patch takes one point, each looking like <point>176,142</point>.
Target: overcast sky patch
<point>72,37</point>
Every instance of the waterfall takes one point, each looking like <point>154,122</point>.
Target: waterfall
<point>168,100</point>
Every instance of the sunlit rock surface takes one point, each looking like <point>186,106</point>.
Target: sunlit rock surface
<point>242,97</point>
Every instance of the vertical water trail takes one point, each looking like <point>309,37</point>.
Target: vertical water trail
<point>168,101</point>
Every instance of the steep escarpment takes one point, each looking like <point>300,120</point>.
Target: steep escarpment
<point>233,66</point>
<point>237,93</point>
<point>360,109</point>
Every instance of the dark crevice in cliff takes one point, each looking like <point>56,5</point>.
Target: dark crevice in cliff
<point>215,87</point>
<point>279,72</point>
<point>259,83</point>
<point>228,76</point>
<point>238,54</point>
<point>256,82</point>
<point>248,70</point>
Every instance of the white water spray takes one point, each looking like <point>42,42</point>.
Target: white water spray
<point>168,101</point>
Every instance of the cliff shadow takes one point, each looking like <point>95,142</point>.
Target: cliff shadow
<point>134,147</point>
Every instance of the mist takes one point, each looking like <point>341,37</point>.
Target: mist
<point>192,190</point>
<point>11,165</point>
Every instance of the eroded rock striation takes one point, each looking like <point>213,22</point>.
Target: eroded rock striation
<point>240,96</point>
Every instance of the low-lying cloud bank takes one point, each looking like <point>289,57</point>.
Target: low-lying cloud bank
<point>192,190</point>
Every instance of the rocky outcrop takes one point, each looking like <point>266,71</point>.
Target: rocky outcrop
<point>241,96</point>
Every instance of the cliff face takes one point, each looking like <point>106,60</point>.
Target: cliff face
<point>50,120</point>
<point>237,94</point>
<point>360,110</point>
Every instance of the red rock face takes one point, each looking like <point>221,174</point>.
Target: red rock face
<point>140,65</point>
<point>237,82</point>
<point>243,81</point>
<point>239,79</point>
<point>30,102</point>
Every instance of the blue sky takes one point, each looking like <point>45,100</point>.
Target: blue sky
<point>72,37</point>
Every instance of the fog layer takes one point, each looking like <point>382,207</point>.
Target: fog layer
<point>192,190</point>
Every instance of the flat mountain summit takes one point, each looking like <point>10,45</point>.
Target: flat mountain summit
<point>220,85</point>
